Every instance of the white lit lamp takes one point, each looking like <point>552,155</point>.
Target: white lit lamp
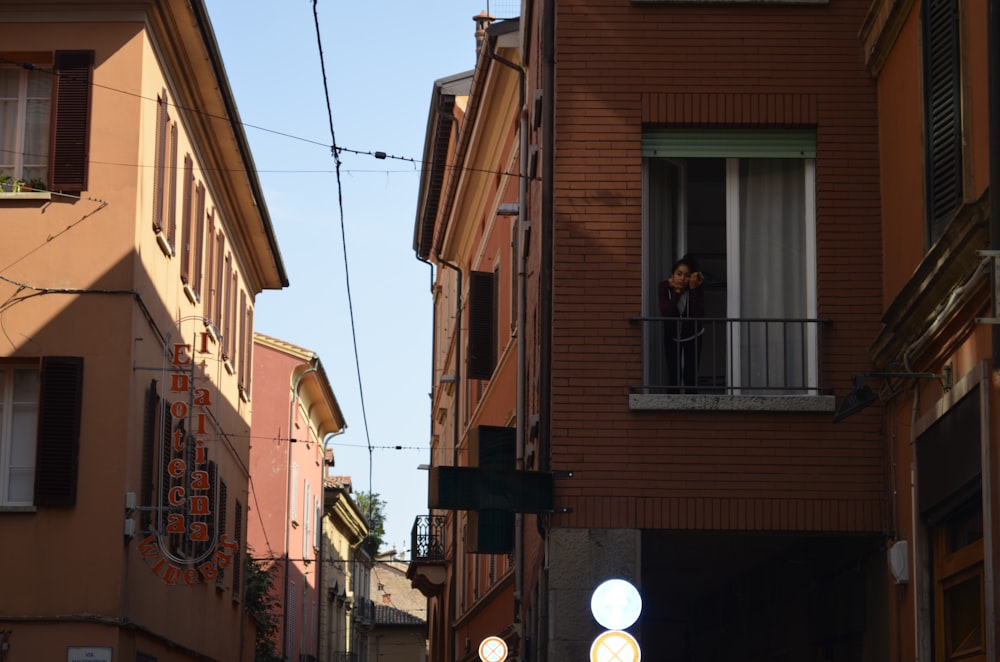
<point>616,604</point>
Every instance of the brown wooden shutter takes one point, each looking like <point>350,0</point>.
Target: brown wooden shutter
<point>149,425</point>
<point>159,161</point>
<point>482,325</point>
<point>237,563</point>
<point>187,202</point>
<point>57,454</point>
<point>198,268</point>
<point>222,503</point>
<point>71,121</point>
<point>171,167</point>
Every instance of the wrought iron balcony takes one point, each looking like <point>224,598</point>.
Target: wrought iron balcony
<point>427,570</point>
<point>427,538</point>
<point>733,356</point>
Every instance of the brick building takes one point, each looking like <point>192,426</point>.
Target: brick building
<point>623,135</point>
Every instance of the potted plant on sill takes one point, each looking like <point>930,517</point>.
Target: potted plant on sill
<point>11,184</point>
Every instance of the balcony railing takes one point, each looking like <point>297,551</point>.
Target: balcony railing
<point>734,356</point>
<point>427,538</point>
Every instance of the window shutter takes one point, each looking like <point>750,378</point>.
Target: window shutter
<point>71,113</point>
<point>148,454</point>
<point>237,564</point>
<point>160,171</point>
<point>171,204</point>
<point>482,325</point>
<point>199,239</point>
<point>942,113</point>
<point>730,143</point>
<point>187,202</point>
<point>58,431</point>
<point>220,527</point>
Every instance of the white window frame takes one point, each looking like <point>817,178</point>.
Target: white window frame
<point>17,163</point>
<point>750,143</point>
<point>7,403</point>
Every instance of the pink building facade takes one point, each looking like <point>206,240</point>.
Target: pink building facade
<point>295,414</point>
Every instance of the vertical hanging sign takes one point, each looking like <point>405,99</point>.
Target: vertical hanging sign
<point>186,546</point>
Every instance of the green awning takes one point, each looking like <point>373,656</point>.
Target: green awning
<point>736,143</point>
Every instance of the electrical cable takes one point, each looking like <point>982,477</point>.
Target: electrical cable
<point>335,152</point>
<point>376,154</point>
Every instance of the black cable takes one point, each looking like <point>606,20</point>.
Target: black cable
<point>335,151</point>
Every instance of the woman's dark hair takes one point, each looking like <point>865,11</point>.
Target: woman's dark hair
<point>690,261</point>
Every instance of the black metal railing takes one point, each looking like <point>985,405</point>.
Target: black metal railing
<point>732,356</point>
<point>345,656</point>
<point>427,538</point>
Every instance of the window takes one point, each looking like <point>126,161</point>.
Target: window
<point>18,414</point>
<point>210,257</point>
<point>293,506</point>
<point>307,522</point>
<point>225,312</point>
<point>318,542</point>
<point>482,324</point>
<point>220,264</point>
<point>199,239</point>
<point>743,203</point>
<point>291,615</point>
<point>221,505</point>
<point>949,494</point>
<point>246,334</point>
<point>40,432</point>
<point>45,117</point>
<point>960,630</point>
<point>238,556</point>
<point>942,113</point>
<point>187,206</point>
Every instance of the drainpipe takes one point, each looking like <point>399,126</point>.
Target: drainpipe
<point>545,296</point>
<point>288,500</point>
<point>521,257</point>
<point>433,356</point>
<point>993,53</point>
<point>456,436</point>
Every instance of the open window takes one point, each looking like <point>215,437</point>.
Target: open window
<point>743,204</point>
<point>45,115</point>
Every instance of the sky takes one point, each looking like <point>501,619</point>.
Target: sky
<point>354,278</point>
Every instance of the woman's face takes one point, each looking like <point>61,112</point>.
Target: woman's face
<point>681,277</point>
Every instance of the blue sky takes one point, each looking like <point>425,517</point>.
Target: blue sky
<point>381,58</point>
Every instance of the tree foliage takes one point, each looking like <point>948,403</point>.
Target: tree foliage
<point>373,508</point>
<point>261,605</point>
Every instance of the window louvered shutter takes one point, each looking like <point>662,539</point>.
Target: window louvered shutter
<point>482,325</point>
<point>942,113</point>
<point>70,130</point>
<point>58,431</point>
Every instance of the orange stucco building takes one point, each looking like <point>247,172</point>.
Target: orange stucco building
<point>135,240</point>
<point>936,71</point>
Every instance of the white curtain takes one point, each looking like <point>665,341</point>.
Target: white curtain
<point>24,138</point>
<point>37,113</point>
<point>8,119</point>
<point>772,269</point>
<point>23,402</point>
